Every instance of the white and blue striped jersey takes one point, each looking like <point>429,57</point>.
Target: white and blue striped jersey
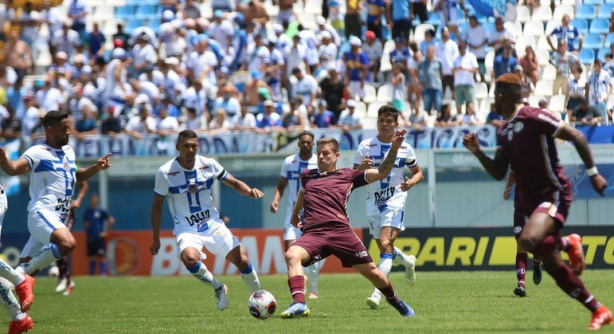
<point>189,193</point>
<point>52,178</point>
<point>386,193</point>
<point>291,170</point>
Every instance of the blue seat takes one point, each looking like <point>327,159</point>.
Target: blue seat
<point>593,41</point>
<point>581,25</point>
<point>602,53</point>
<point>609,39</point>
<point>489,26</point>
<point>593,2</point>
<point>600,26</point>
<point>154,24</point>
<point>587,56</point>
<point>145,11</point>
<point>609,1</point>
<point>133,24</point>
<point>124,12</point>
<point>585,11</point>
<point>605,11</point>
<point>434,19</point>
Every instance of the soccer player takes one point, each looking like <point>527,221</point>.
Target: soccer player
<point>11,279</point>
<point>522,258</point>
<point>52,183</point>
<point>325,226</point>
<point>187,180</point>
<point>65,283</point>
<point>386,198</point>
<point>526,143</point>
<point>98,223</point>
<point>291,170</point>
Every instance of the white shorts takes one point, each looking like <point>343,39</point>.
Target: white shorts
<point>291,232</point>
<point>355,90</point>
<point>217,240</point>
<point>42,222</point>
<point>387,218</point>
<point>285,15</point>
<point>31,248</point>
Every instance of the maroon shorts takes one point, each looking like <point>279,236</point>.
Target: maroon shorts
<point>556,204</point>
<point>333,238</point>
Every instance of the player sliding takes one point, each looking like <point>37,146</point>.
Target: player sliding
<point>522,258</point>
<point>326,229</point>
<point>187,181</point>
<point>386,198</point>
<point>526,140</point>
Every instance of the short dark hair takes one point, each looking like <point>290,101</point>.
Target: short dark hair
<point>186,134</point>
<point>54,117</point>
<point>307,133</point>
<point>332,141</point>
<point>389,109</point>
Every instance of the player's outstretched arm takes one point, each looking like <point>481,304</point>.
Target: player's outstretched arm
<point>385,167</point>
<point>101,164</point>
<point>570,134</point>
<point>416,178</point>
<point>242,188</point>
<point>279,193</point>
<point>295,220</point>
<point>156,218</point>
<point>495,167</point>
<point>17,167</point>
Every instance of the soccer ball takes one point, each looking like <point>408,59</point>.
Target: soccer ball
<point>261,304</point>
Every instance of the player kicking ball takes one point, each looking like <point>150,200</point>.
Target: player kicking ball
<point>526,144</point>
<point>326,228</point>
<point>187,181</point>
<point>386,198</point>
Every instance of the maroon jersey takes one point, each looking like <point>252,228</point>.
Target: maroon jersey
<point>326,194</point>
<point>527,140</point>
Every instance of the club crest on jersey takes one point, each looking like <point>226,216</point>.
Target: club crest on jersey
<point>192,187</point>
<point>518,127</point>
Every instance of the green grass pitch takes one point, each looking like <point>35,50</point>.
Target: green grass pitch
<point>445,302</point>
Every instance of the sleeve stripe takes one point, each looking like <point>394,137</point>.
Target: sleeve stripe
<point>30,162</point>
<point>157,193</point>
<point>365,176</point>
<point>223,175</point>
<point>561,125</point>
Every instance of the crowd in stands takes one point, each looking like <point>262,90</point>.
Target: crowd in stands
<point>122,66</point>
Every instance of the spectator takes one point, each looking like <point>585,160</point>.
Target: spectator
<point>357,67</point>
<point>568,34</point>
<point>353,19</point>
<point>112,125</point>
<point>286,11</point>
<point>258,55</point>
<point>77,12</point>
<point>18,55</point>
<point>599,85</point>
<point>87,124</point>
<point>116,87</point>
<point>414,89</point>
<point>400,54</point>
<point>11,126</point>
<point>501,37</point>
<point>29,21</point>
<point>227,103</point>
<point>577,87</point>
<point>223,5</point>
<point>144,55</point>
<point>166,125</point>
<point>252,89</point>
<point>418,119</point>
<point>476,38</point>
<point>306,87</point>
<point>50,98</point>
<point>470,117</point>
<point>530,64</point>
<point>191,9</point>
<point>446,119</point>
<point>255,11</point>
<point>543,104</point>
<point>336,17</point>
<point>165,103</point>
<point>418,9</point>
<point>31,115</point>
<point>400,17</point>
<point>297,56</point>
<point>120,35</point>
<point>350,121</point>
<point>430,75</point>
<point>274,70</point>
<point>448,12</point>
<point>97,224</point>
<point>328,51</point>
<point>195,123</point>
<point>323,26</point>
<point>505,62</point>
<point>196,97</point>
<point>375,10</point>
<point>269,120</point>
<point>527,87</point>
<point>296,119</point>
<point>399,90</point>
<point>142,124</point>
<point>311,42</point>
<point>429,39</point>
<point>563,60</point>
<point>493,117</point>
<point>586,114</point>
<point>219,123</point>
<point>324,118</point>
<point>244,120</point>
<point>95,41</point>
<point>334,91</point>
<point>374,51</point>
<point>221,31</point>
<point>465,66</point>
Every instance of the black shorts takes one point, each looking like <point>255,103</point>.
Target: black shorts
<point>401,28</point>
<point>419,10</point>
<point>376,28</point>
<point>96,247</point>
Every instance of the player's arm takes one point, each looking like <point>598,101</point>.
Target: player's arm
<point>495,167</point>
<point>101,164</point>
<point>570,134</point>
<point>416,178</point>
<point>511,179</point>
<point>385,167</point>
<point>156,218</point>
<point>279,193</point>
<point>83,188</point>
<point>17,167</point>
<point>242,188</point>
<point>295,219</point>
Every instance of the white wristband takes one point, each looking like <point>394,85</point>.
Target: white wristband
<point>592,171</point>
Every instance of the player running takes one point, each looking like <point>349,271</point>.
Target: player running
<point>386,198</point>
<point>290,174</point>
<point>526,144</point>
<point>326,229</point>
<point>187,181</point>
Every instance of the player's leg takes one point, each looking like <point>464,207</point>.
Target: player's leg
<point>291,233</point>
<point>62,281</point>
<point>379,280</point>
<point>295,257</point>
<point>389,234</point>
<point>102,256</point>
<point>23,283</point>
<point>238,257</point>
<point>47,229</point>
<point>20,321</point>
<point>521,268</point>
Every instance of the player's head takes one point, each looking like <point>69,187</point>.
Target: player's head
<point>328,153</point>
<point>187,146</point>
<point>507,92</point>
<point>305,142</point>
<point>57,127</point>
<point>387,119</point>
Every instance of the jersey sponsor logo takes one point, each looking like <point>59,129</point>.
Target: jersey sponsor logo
<point>362,254</point>
<point>203,167</point>
<point>381,197</point>
<point>198,217</point>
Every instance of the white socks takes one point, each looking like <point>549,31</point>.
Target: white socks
<point>385,265</point>
<point>200,271</point>
<point>313,272</point>
<point>250,278</point>
<point>49,253</point>
<point>8,300</point>
<point>400,258</point>
<point>10,274</point>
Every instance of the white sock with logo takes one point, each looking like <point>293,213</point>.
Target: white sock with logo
<point>11,274</point>
<point>401,258</point>
<point>8,300</point>
<point>49,253</point>
<point>250,278</point>
<point>202,274</point>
